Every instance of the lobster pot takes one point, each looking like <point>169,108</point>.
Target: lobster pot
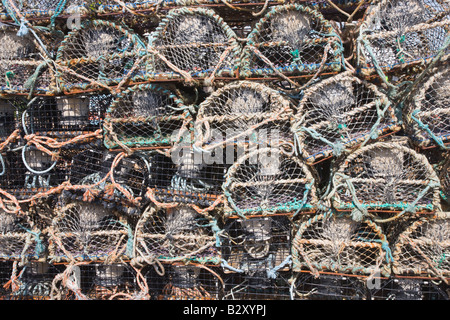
<point>243,112</point>
<point>36,281</point>
<point>8,122</point>
<point>98,54</point>
<point>293,40</point>
<point>67,116</point>
<point>268,181</point>
<point>185,177</point>
<point>30,170</point>
<point>257,241</point>
<point>404,288</point>
<point>400,33</point>
<point>6,270</point>
<point>19,238</point>
<point>256,285</point>
<point>329,287</point>
<point>176,234</point>
<point>41,9</point>
<point>426,115</point>
<point>22,64</point>
<point>84,231</point>
<point>423,249</point>
<point>194,41</point>
<point>341,112</point>
<point>185,282</point>
<point>106,177</point>
<point>145,116</point>
<point>340,245</point>
<point>385,180</point>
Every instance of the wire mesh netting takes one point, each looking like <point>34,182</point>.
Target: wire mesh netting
<point>192,43</point>
<point>42,9</point>
<point>423,249</point>
<point>426,113</point>
<point>340,244</point>
<point>400,33</point>
<point>97,55</point>
<point>145,116</point>
<point>291,40</point>
<point>89,232</point>
<point>176,234</point>
<point>243,112</point>
<point>341,112</point>
<point>384,181</point>
<point>269,181</point>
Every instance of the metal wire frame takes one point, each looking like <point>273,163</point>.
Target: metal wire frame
<point>396,34</point>
<point>340,113</point>
<point>384,181</point>
<point>10,116</point>
<point>99,55</point>
<point>269,181</point>
<point>423,249</point>
<point>87,232</point>
<point>178,234</point>
<point>339,244</point>
<point>426,110</point>
<point>192,44</point>
<point>25,64</point>
<point>257,285</point>
<point>409,288</point>
<point>256,245</point>
<point>145,116</point>
<point>328,286</point>
<point>289,50</point>
<point>241,113</point>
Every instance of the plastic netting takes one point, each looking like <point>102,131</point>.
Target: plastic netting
<point>99,54</point>
<point>257,244</point>
<point>145,116</point>
<point>424,249</point>
<point>23,64</point>
<point>426,112</point>
<point>291,40</point>
<point>385,181</point>
<point>340,113</point>
<point>269,181</point>
<point>340,244</point>
<point>43,9</point>
<point>243,112</point>
<point>192,43</point>
<point>176,234</point>
<point>89,232</point>
<point>399,33</point>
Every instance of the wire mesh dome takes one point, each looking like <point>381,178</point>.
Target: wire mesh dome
<point>23,64</point>
<point>400,33</point>
<point>67,116</point>
<point>176,234</point>
<point>385,180</point>
<point>109,178</point>
<point>19,238</point>
<point>342,245</point>
<point>257,244</point>
<point>292,40</point>
<point>99,54</point>
<point>341,112</point>
<point>84,231</point>
<point>145,116</point>
<point>192,43</point>
<point>426,112</point>
<point>268,181</point>
<point>243,112</point>
<point>36,9</point>
<point>185,177</point>
<point>423,249</point>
